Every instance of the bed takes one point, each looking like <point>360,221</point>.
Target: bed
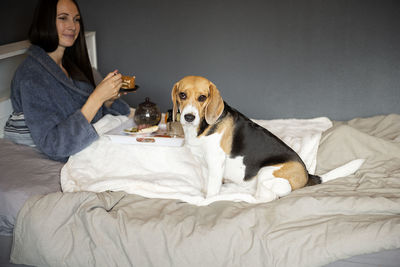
<point>349,221</point>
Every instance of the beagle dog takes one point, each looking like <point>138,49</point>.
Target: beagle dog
<point>232,147</point>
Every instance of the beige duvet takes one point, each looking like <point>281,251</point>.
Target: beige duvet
<point>311,227</point>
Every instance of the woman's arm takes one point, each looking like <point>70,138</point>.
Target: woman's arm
<point>59,123</point>
<point>106,90</point>
<point>56,129</point>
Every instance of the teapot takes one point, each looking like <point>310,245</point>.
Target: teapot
<point>147,113</point>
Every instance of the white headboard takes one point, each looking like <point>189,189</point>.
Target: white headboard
<point>11,55</point>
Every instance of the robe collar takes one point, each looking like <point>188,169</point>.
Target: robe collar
<point>38,53</point>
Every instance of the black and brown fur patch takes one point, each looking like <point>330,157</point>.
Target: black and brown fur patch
<point>294,172</point>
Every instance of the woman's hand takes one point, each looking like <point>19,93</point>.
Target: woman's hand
<point>107,90</point>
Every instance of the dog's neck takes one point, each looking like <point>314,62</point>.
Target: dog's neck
<point>191,133</point>
<point>202,127</point>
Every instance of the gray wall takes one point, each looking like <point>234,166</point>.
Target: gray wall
<point>270,59</point>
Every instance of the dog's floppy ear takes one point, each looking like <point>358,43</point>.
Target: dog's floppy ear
<point>174,101</point>
<point>215,106</point>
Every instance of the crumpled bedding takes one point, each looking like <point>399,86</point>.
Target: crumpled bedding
<point>311,226</point>
<point>24,172</point>
<point>172,172</point>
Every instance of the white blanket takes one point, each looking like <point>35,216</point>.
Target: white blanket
<point>172,172</point>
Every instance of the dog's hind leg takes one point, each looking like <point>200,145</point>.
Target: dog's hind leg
<point>270,187</point>
<point>294,172</point>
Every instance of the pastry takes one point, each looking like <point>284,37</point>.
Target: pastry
<point>128,82</point>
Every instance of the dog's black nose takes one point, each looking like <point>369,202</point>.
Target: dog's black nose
<point>189,117</point>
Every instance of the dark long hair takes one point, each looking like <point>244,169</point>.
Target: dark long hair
<point>43,33</point>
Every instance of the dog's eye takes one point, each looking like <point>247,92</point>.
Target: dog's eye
<point>202,98</point>
<point>182,95</point>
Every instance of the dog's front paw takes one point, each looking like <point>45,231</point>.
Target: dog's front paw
<point>211,193</point>
<point>214,186</point>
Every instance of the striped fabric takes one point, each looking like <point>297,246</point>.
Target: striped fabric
<point>17,131</point>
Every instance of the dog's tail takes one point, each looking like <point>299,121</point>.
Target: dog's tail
<point>342,171</point>
<point>313,180</point>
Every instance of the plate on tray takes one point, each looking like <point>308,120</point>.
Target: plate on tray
<point>137,131</point>
<point>130,89</point>
<point>125,134</point>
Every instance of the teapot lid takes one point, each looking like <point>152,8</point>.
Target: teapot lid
<point>147,103</point>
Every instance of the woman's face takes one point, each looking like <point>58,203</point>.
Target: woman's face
<point>67,22</point>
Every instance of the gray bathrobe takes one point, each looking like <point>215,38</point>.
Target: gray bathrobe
<point>51,104</point>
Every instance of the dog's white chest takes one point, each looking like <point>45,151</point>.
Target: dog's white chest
<point>234,169</point>
<point>208,148</point>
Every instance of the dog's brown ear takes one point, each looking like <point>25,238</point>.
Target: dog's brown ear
<point>215,106</point>
<point>174,101</point>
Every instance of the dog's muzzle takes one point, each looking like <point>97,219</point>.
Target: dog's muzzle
<point>189,117</point>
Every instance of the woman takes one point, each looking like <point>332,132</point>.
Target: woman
<point>53,91</point>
